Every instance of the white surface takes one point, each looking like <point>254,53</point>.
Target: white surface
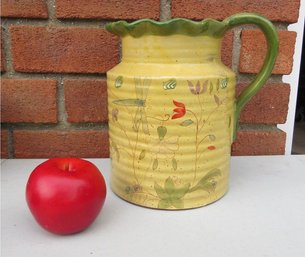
<point>263,214</point>
<point>293,78</point>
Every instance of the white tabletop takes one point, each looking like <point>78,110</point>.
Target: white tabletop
<point>263,214</point>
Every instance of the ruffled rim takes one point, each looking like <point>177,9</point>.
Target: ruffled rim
<point>180,26</point>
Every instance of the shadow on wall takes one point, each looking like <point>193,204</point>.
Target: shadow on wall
<point>298,145</point>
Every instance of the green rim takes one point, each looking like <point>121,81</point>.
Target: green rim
<point>180,26</point>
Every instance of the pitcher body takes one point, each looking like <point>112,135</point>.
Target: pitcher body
<point>172,119</point>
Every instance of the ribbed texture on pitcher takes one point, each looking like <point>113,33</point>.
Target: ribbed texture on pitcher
<point>170,133</point>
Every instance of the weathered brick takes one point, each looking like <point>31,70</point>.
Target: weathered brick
<point>24,8</point>
<point>28,100</point>
<point>259,142</point>
<point>63,49</point>
<point>281,10</point>
<point>4,143</point>
<point>2,63</point>
<point>254,48</point>
<point>86,100</point>
<point>105,9</point>
<point>268,106</point>
<point>55,143</point>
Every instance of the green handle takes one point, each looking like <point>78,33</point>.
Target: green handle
<point>272,41</point>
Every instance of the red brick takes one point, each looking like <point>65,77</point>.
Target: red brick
<point>253,51</point>
<point>4,143</point>
<point>54,143</point>
<point>259,142</point>
<point>2,63</point>
<point>281,10</point>
<point>28,100</point>
<point>268,106</point>
<point>24,8</point>
<point>86,100</point>
<point>227,48</point>
<point>105,9</point>
<point>63,49</point>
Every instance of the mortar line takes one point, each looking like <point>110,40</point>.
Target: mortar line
<point>6,41</point>
<point>57,126</point>
<point>258,126</point>
<point>51,5</point>
<point>277,25</point>
<point>10,143</point>
<point>25,75</point>
<point>281,25</point>
<point>165,10</point>
<point>60,103</point>
<point>79,23</point>
<point>248,77</point>
<point>236,52</point>
<point>165,14</point>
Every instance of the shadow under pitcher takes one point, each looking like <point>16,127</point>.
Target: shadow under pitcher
<point>172,109</point>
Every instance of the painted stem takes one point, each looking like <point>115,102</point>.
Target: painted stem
<point>196,143</point>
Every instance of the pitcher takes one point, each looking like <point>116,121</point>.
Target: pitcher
<point>173,113</point>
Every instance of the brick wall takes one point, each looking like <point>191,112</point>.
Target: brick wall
<point>55,55</point>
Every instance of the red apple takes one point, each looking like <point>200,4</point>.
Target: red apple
<point>65,195</point>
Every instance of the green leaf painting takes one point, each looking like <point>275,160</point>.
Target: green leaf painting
<point>161,132</point>
<point>130,102</point>
<point>174,164</point>
<point>224,83</point>
<point>171,195</point>
<point>155,164</point>
<point>212,137</point>
<point>186,123</point>
<point>170,84</point>
<point>142,155</point>
<point>216,99</point>
<point>118,82</point>
<point>208,182</point>
<point>211,87</point>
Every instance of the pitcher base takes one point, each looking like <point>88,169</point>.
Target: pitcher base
<point>147,202</point>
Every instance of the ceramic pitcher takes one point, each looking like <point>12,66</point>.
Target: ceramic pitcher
<point>173,113</point>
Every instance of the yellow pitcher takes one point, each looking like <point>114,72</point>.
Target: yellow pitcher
<point>173,113</point>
